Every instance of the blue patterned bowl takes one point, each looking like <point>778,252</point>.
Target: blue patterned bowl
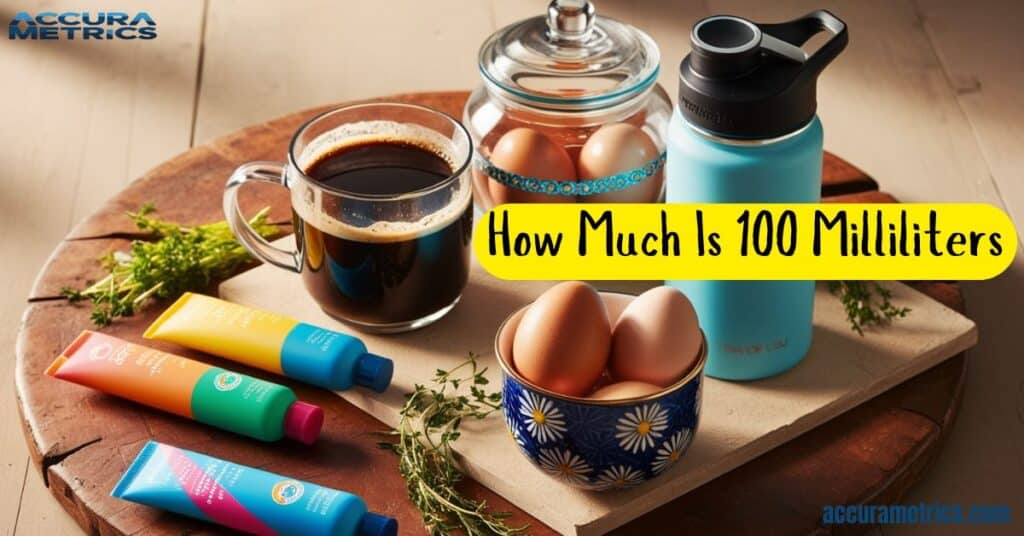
<point>598,444</point>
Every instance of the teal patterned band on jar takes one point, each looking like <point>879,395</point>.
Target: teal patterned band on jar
<point>613,183</point>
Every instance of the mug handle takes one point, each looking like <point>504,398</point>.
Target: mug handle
<point>260,248</point>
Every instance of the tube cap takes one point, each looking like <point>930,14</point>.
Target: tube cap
<point>374,372</point>
<point>377,525</point>
<point>303,421</point>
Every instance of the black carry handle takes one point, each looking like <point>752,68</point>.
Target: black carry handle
<point>786,38</point>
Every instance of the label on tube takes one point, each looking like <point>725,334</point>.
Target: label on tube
<point>244,498</point>
<point>211,395</point>
<point>272,342</point>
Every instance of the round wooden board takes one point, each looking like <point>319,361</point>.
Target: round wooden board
<point>82,440</point>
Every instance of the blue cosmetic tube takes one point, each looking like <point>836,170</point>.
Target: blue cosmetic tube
<point>244,498</point>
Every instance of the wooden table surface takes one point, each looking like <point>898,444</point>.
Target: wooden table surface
<point>925,97</point>
<point>83,441</point>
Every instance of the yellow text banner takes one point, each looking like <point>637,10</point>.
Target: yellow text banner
<point>745,241</point>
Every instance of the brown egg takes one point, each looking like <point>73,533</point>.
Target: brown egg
<point>617,148</point>
<point>529,153</point>
<point>615,303</point>
<point>624,390</point>
<point>603,381</point>
<point>563,339</point>
<point>656,339</point>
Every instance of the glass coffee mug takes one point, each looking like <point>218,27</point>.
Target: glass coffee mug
<point>383,213</point>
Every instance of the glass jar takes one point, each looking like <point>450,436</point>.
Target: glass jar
<point>569,111</point>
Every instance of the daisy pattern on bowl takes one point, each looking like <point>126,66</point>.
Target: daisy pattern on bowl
<point>638,429</point>
<point>619,476</point>
<point>565,465</point>
<point>515,434</point>
<point>698,399</point>
<point>543,420</point>
<point>510,420</point>
<point>671,450</point>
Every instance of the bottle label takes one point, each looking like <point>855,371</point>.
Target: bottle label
<point>756,348</point>
<point>241,404</point>
<point>240,333</point>
<point>320,356</point>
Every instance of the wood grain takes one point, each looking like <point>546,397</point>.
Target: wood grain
<point>886,105</point>
<point>85,440</point>
<point>80,120</point>
<point>739,420</point>
<point>981,59</point>
<point>431,44</point>
<point>81,461</point>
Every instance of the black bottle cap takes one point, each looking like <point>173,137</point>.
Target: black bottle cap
<point>753,81</point>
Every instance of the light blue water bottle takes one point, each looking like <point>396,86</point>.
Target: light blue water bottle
<point>745,131</point>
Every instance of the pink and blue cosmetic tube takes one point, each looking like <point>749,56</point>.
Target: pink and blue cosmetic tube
<point>244,498</point>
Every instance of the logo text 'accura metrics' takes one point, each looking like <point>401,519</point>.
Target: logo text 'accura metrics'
<point>71,25</point>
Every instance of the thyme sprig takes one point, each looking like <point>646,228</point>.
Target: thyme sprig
<point>430,421</point>
<point>867,303</point>
<point>177,259</point>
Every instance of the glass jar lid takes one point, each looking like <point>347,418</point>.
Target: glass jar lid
<point>570,59</point>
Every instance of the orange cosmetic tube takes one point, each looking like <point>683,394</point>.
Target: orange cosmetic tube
<point>192,389</point>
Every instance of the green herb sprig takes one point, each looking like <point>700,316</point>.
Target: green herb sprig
<point>867,303</point>
<point>178,259</point>
<point>429,424</point>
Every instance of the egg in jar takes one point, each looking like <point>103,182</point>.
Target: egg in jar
<point>617,148</point>
<point>656,339</point>
<point>529,153</point>
<point>563,340</point>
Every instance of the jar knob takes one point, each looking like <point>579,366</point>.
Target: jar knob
<point>570,20</point>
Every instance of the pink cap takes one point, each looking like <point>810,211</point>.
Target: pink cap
<point>303,421</point>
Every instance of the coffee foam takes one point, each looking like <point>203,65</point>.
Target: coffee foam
<point>307,201</point>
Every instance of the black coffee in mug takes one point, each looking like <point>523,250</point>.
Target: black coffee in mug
<point>375,266</point>
<point>383,212</point>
